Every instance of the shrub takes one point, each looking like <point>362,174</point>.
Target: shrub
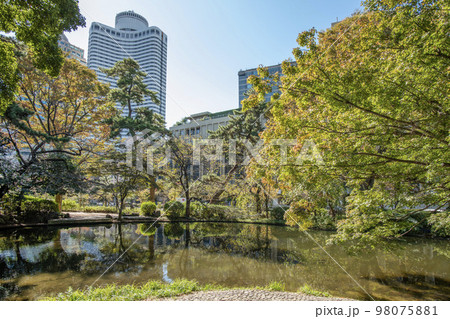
<point>132,211</point>
<point>98,209</point>
<point>70,205</point>
<point>173,230</point>
<point>6,219</point>
<point>173,209</point>
<point>277,213</point>
<point>28,209</point>
<point>10,204</point>
<point>148,208</point>
<point>213,212</point>
<point>37,210</point>
<point>196,208</point>
<point>323,220</point>
<point>147,229</point>
<point>440,224</point>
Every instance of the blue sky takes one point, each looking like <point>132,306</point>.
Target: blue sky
<point>211,40</point>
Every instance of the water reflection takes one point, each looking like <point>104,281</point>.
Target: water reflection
<point>39,262</point>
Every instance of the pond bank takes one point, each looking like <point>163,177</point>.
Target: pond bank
<point>250,295</point>
<point>187,290</point>
<point>81,218</point>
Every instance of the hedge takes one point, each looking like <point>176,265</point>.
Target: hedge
<point>173,209</point>
<point>148,208</point>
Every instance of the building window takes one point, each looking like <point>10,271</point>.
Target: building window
<point>197,131</point>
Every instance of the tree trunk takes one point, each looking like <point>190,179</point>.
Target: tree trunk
<point>258,201</point>
<point>215,198</point>
<point>266,204</point>
<point>152,189</point>
<point>187,212</point>
<point>121,208</point>
<point>188,236</point>
<point>58,200</point>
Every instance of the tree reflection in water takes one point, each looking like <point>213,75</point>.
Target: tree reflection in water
<point>49,260</point>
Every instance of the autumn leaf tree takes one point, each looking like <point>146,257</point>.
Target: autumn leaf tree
<point>54,125</point>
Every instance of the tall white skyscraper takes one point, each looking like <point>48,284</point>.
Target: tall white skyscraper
<point>131,38</point>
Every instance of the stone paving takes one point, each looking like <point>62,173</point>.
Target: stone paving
<point>250,295</point>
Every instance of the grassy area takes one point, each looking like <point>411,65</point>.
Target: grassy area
<point>157,289</point>
<point>150,290</point>
<point>307,290</point>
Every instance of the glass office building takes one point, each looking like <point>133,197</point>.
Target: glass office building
<point>244,86</point>
<point>132,37</point>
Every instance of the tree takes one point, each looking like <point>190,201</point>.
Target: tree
<point>181,157</point>
<point>38,24</point>
<point>54,126</point>
<point>372,94</point>
<point>131,88</point>
<point>111,172</point>
<point>243,129</point>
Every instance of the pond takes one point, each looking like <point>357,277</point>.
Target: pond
<point>46,261</point>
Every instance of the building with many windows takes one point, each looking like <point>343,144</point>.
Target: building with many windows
<point>199,125</point>
<point>244,86</point>
<point>72,51</point>
<point>132,37</point>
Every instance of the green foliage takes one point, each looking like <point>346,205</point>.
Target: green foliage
<point>39,25</point>
<point>152,289</point>
<point>29,209</point>
<point>323,220</point>
<point>130,83</point>
<point>147,229</point>
<point>37,210</point>
<point>275,286</point>
<point>213,212</point>
<point>148,208</point>
<point>51,127</point>
<point>277,213</point>
<point>173,209</point>
<point>34,204</point>
<point>370,96</point>
<point>173,230</point>
<point>307,290</point>
<point>144,119</point>
<point>98,209</point>
<point>196,208</point>
<point>440,224</point>
<point>69,205</point>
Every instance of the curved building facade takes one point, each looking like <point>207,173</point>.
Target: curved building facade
<point>131,37</point>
